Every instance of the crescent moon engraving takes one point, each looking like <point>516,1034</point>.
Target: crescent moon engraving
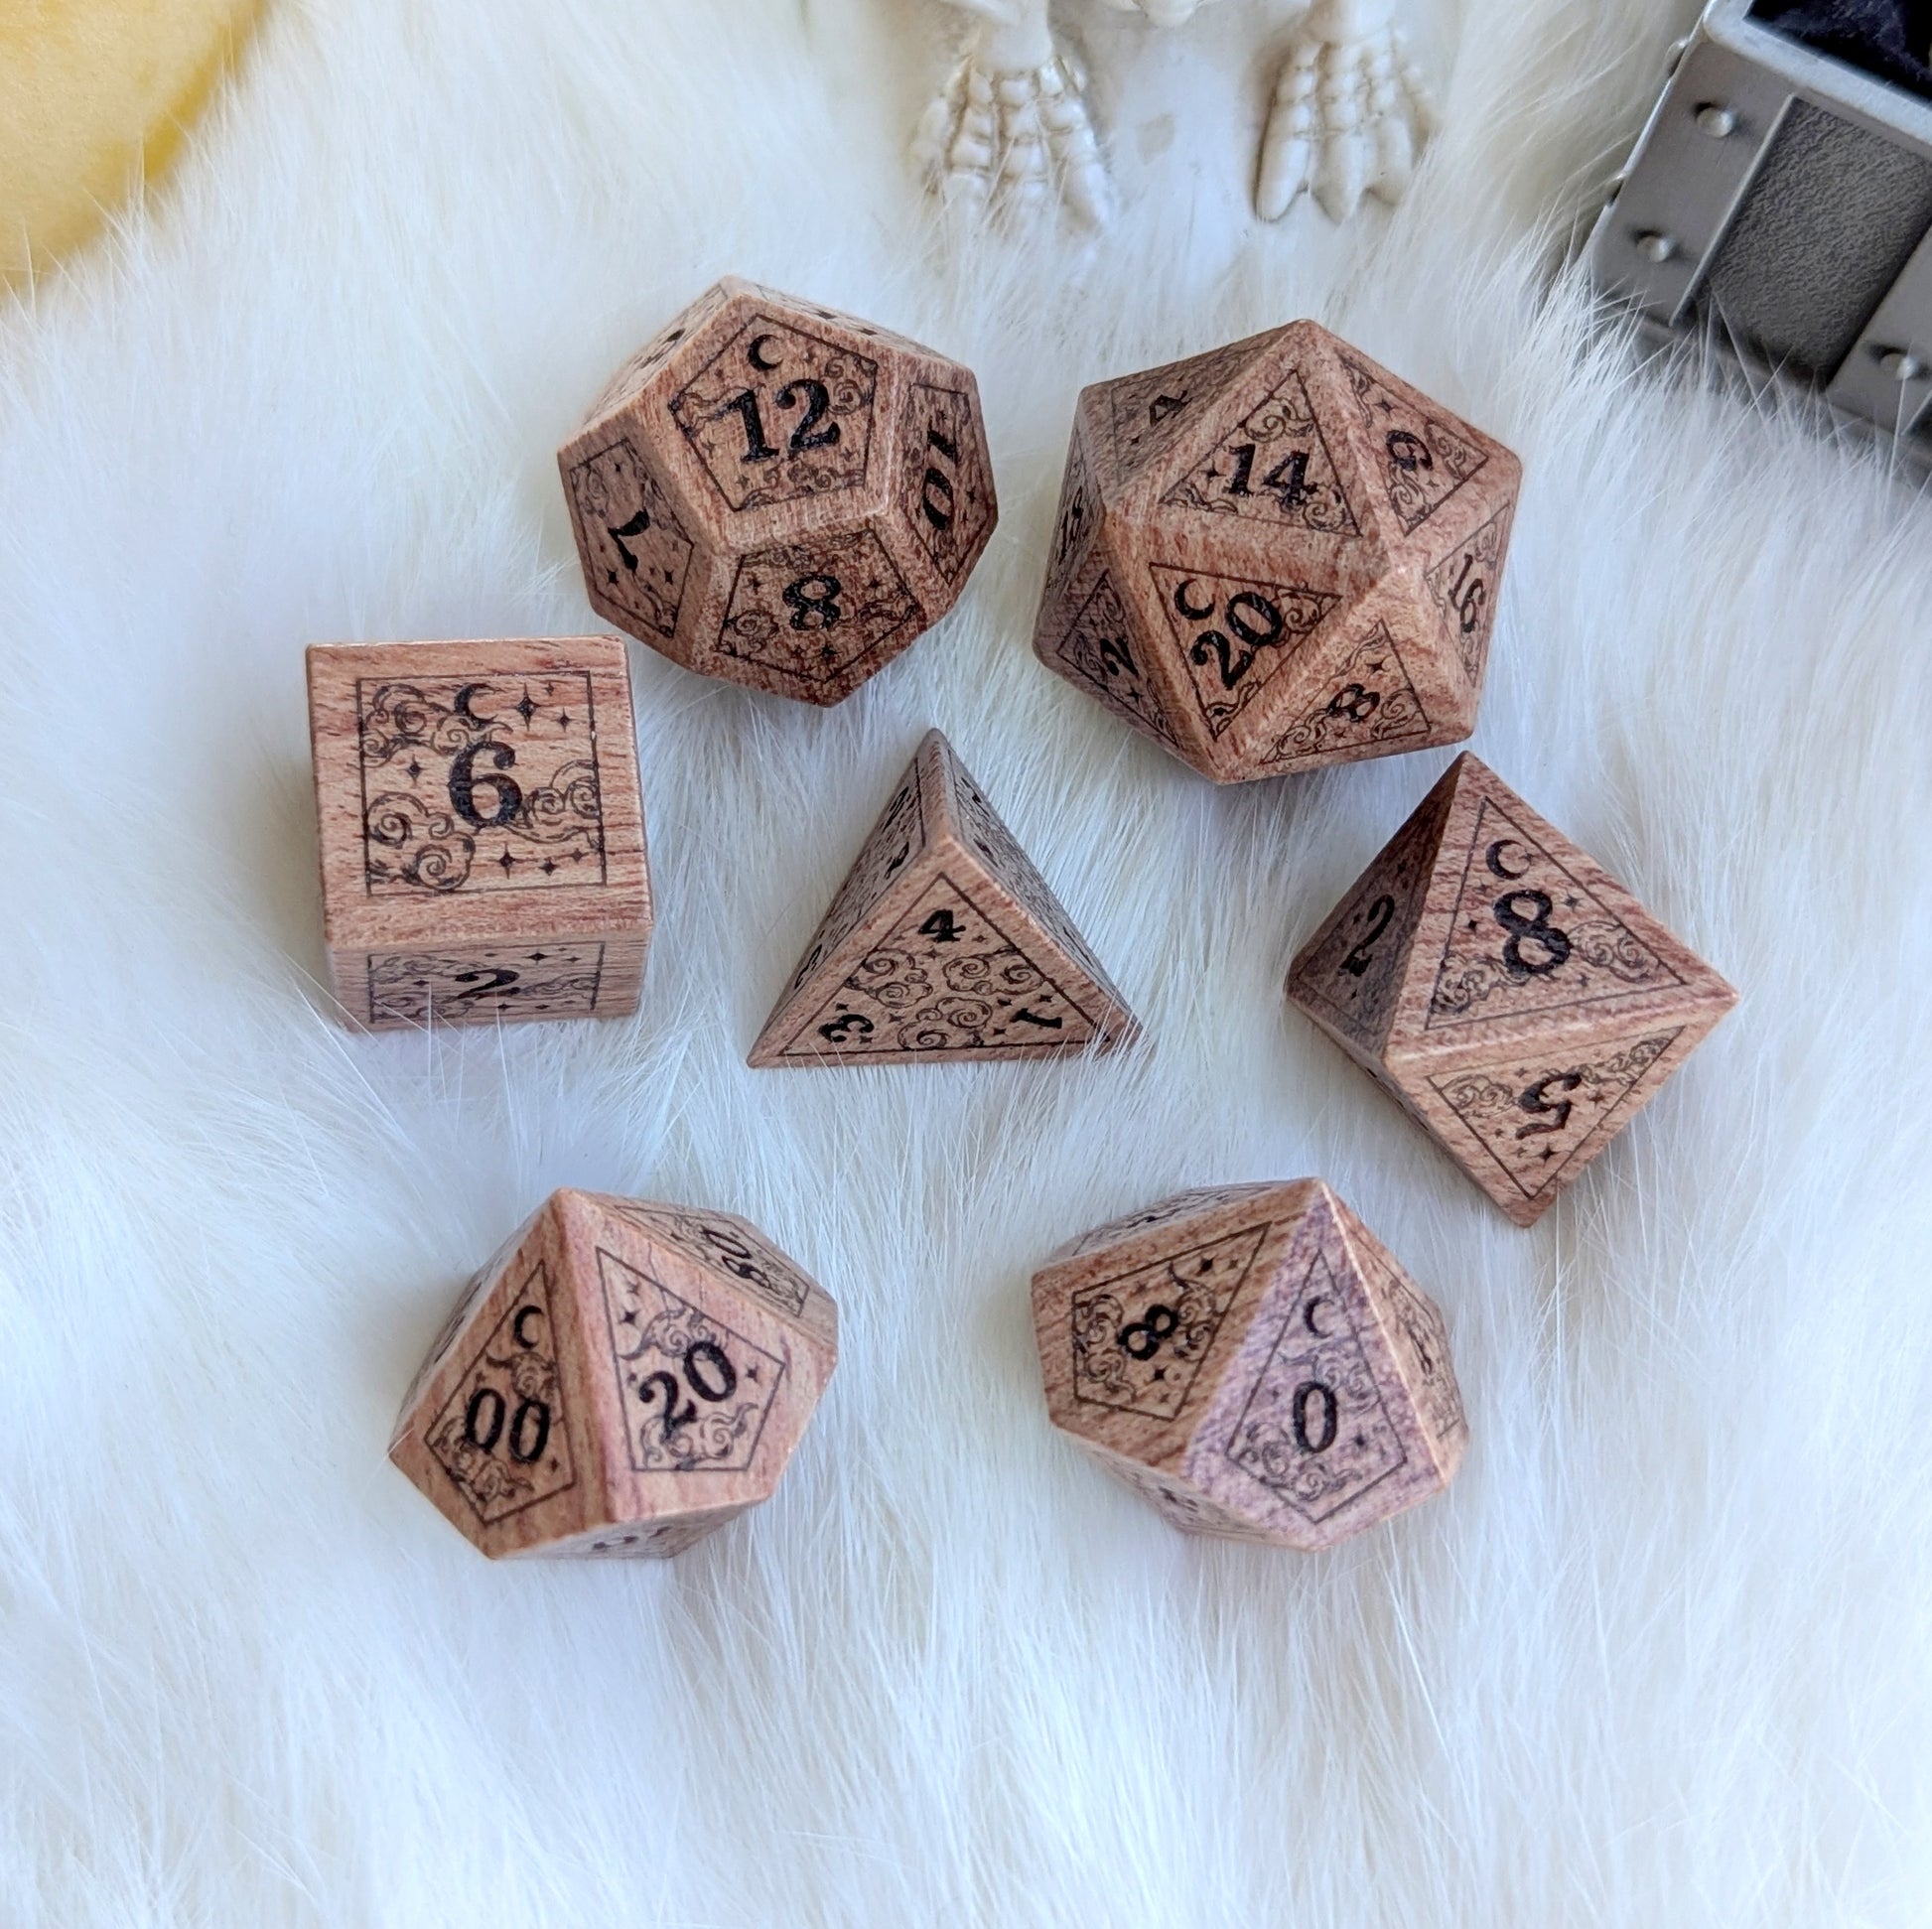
<point>463,699</point>
<point>1308,1317</point>
<point>516,1326</point>
<point>1185,608</point>
<point>1494,857</point>
<point>756,361</point>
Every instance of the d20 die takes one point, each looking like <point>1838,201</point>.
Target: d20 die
<point>1277,555</point>
<point>1252,1360</point>
<point>779,494</point>
<point>1509,992</point>
<point>942,943</point>
<point>620,1379</point>
<point>482,830</point>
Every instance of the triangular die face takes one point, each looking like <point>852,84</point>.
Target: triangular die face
<point>1140,1339</point>
<point>1419,457</point>
<point>1273,469</point>
<point>946,977</point>
<point>1101,652</point>
<point>1529,936</point>
<point>1149,411</point>
<point>1351,973</point>
<point>897,838</point>
<point>1538,1119</point>
<point>500,1435</point>
<point>1462,587</point>
<point>984,830</point>
<point>1233,634</point>
<point>694,1394</point>
<point>1368,704</point>
<point>1315,1429</point>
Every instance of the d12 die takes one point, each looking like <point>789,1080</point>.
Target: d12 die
<point>1512,995</point>
<point>779,494</point>
<point>482,830</point>
<point>1252,1360</point>
<point>1277,555</point>
<point>942,943</point>
<point>621,1378</point>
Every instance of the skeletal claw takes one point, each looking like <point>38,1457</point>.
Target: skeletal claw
<point>1348,117</point>
<point>1014,138</point>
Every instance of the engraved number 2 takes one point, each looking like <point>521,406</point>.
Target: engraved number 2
<point>499,980</point>
<point>1380,916</point>
<point>1536,1099</point>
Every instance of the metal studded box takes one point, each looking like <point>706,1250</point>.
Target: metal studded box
<point>1779,202</point>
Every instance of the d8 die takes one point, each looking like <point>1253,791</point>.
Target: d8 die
<point>779,494</point>
<point>1251,1360</point>
<point>482,830</point>
<point>1510,993</point>
<point>1277,555</point>
<point>621,1378</point>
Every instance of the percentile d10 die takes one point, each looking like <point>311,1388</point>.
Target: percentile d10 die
<point>1253,1361</point>
<point>781,494</point>
<point>1276,556</point>
<point>1512,995</point>
<point>620,1379</point>
<point>482,830</point>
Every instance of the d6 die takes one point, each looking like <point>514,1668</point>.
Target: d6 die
<point>1512,995</point>
<point>482,830</point>
<point>779,494</point>
<point>620,1379</point>
<point>1252,1360</point>
<point>1277,555</point>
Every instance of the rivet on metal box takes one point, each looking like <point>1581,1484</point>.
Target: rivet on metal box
<point>1780,202</point>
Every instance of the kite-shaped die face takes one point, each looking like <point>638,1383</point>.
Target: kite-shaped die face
<point>781,494</point>
<point>1507,990</point>
<point>1276,556</point>
<point>1254,1362</point>
<point>620,1379</point>
<point>942,944</point>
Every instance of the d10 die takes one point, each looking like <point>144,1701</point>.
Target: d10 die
<point>482,830</point>
<point>621,1378</point>
<point>1253,1361</point>
<point>943,944</point>
<point>779,494</point>
<point>1276,556</point>
<point>1512,995</point>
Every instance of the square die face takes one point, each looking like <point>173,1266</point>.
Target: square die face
<point>569,978</point>
<point>476,795</point>
<point>479,784</point>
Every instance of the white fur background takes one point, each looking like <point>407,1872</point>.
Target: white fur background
<point>1661,1655</point>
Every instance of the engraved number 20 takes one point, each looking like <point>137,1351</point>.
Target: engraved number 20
<point>708,1372</point>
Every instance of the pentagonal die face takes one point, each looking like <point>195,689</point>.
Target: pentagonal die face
<point>1276,556</point>
<point>1254,1363</point>
<point>632,1376</point>
<point>781,494</point>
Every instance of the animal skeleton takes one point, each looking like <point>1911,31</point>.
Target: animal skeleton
<point>1010,129</point>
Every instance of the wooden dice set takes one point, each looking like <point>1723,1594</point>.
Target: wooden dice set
<point>1267,558</point>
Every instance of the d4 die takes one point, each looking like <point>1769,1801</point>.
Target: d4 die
<point>620,1379</point>
<point>1508,991</point>
<point>1253,1361</point>
<point>482,830</point>
<point>943,944</point>
<point>1276,556</point>
<point>779,494</point>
